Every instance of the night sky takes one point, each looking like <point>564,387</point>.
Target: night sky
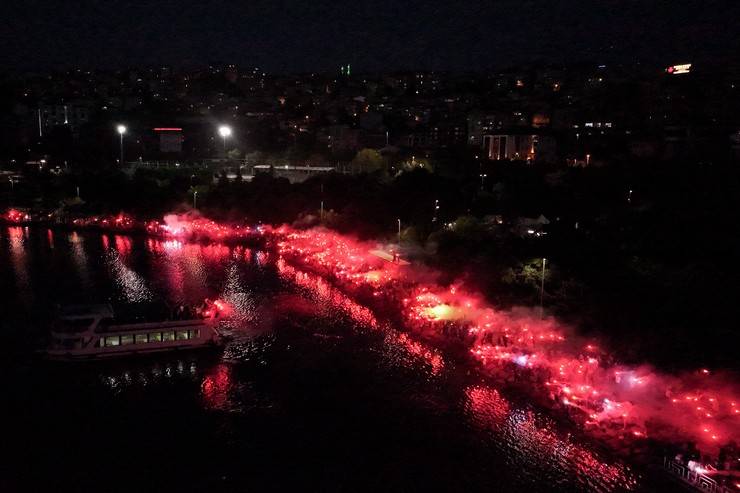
<point>318,35</point>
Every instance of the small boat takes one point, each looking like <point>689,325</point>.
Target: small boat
<point>87,332</point>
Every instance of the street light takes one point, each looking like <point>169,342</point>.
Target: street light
<point>399,231</point>
<point>121,130</point>
<point>224,131</point>
<point>542,288</point>
<point>195,199</point>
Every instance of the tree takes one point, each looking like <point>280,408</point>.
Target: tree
<point>234,154</point>
<point>367,161</point>
<point>415,162</point>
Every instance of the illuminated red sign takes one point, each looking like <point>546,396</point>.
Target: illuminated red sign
<point>168,129</point>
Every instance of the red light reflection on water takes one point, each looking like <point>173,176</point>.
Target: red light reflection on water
<point>578,376</point>
<point>123,245</point>
<point>575,375</point>
<point>216,387</point>
<point>332,299</point>
<point>532,439</point>
<point>327,294</point>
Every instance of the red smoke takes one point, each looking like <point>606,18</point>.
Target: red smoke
<point>616,402</point>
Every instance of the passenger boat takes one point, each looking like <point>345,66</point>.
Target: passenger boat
<point>87,332</point>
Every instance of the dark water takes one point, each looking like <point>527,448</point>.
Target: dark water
<point>306,397</point>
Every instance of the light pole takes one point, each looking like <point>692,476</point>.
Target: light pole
<point>224,131</point>
<point>482,180</point>
<point>121,130</point>
<point>399,231</point>
<point>195,199</point>
<point>542,288</point>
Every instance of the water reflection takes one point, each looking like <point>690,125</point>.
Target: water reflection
<point>524,437</point>
<point>80,257</point>
<point>238,298</point>
<point>531,444</point>
<point>186,271</point>
<point>120,378</point>
<point>315,325</point>
<point>131,286</point>
<point>123,245</point>
<point>18,243</point>
<point>216,387</point>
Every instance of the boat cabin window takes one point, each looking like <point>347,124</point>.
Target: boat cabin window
<point>74,325</point>
<point>128,339</point>
<point>112,341</point>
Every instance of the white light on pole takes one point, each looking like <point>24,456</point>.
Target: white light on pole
<point>121,130</point>
<point>224,131</point>
<point>542,289</point>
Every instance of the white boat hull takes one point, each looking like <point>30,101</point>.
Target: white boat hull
<point>99,341</point>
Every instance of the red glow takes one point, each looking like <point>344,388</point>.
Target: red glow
<point>16,217</point>
<point>168,129</point>
<point>610,397</point>
<point>572,375</point>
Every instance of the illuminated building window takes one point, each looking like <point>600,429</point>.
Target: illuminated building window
<point>127,339</point>
<point>168,336</point>
<point>141,339</point>
<point>181,335</point>
<point>194,333</point>
<point>155,337</point>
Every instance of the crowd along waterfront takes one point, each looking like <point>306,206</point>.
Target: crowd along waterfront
<point>329,274</point>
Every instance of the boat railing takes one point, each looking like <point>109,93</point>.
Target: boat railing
<point>696,479</point>
<point>153,325</point>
